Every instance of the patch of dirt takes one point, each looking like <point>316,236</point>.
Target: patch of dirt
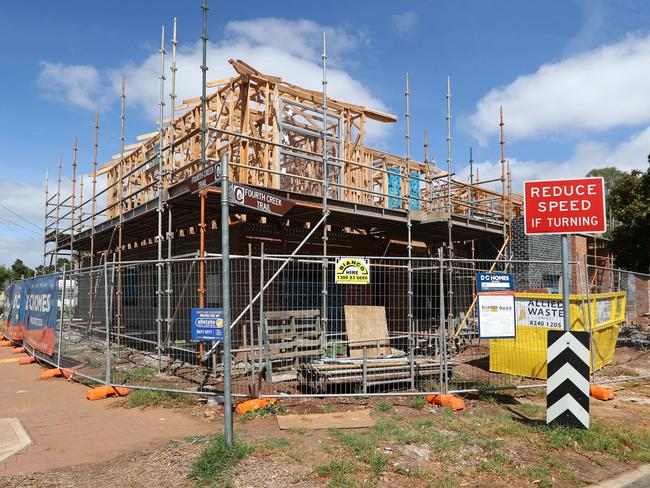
<point>407,464</point>
<point>165,464</point>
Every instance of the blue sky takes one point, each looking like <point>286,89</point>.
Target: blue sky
<point>572,77</point>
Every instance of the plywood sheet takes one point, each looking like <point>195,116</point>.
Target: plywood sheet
<point>338,420</point>
<point>367,326</point>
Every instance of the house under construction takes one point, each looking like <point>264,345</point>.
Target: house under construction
<point>278,137</point>
<point>146,248</point>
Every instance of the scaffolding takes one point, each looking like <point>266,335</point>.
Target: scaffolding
<point>292,141</point>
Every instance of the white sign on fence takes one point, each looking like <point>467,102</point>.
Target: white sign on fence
<point>539,312</point>
<point>496,315</point>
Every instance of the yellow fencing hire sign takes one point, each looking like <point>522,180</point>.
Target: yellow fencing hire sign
<point>352,271</point>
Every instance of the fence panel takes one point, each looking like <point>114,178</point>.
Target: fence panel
<point>412,328</point>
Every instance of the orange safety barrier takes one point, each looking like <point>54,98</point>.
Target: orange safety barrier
<point>601,392</point>
<point>250,405</point>
<point>51,373</point>
<point>451,401</point>
<point>6,344</point>
<point>18,350</point>
<point>101,392</point>
<point>27,360</point>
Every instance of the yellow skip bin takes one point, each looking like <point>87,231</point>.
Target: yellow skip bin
<point>536,313</point>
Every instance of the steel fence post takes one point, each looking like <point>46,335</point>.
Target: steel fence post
<point>565,282</point>
<point>250,315</point>
<point>591,325</point>
<point>225,286</point>
<point>58,353</point>
<point>441,330</point>
<point>411,325</point>
<point>264,341</point>
<point>107,325</point>
<point>365,368</point>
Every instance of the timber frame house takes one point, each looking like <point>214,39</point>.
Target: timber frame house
<point>273,134</point>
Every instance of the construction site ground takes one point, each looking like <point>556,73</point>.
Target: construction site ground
<point>498,441</point>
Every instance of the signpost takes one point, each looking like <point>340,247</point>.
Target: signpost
<point>245,196</point>
<point>204,178</point>
<point>565,207</point>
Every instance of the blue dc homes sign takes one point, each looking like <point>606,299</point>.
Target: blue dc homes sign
<point>494,282</point>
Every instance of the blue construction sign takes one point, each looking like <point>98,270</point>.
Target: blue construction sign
<point>494,282</point>
<point>207,324</point>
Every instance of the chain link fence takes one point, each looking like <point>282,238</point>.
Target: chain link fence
<point>411,328</point>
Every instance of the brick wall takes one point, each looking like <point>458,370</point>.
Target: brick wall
<point>535,248</point>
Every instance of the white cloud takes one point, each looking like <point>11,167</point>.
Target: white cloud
<point>404,22</point>
<point>594,91</point>
<point>79,85</point>
<point>287,48</point>
<point>19,239</point>
<point>630,154</point>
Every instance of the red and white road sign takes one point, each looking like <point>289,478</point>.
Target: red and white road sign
<point>564,206</point>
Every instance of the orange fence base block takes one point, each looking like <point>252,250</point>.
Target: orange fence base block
<point>6,344</point>
<point>68,373</point>
<point>451,401</point>
<point>18,350</point>
<point>601,392</point>
<point>250,405</point>
<point>27,360</point>
<point>101,392</point>
<point>51,373</point>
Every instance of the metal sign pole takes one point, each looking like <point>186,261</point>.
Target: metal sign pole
<point>565,282</point>
<point>225,286</point>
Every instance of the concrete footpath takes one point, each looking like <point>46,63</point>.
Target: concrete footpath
<point>635,478</point>
<point>66,429</point>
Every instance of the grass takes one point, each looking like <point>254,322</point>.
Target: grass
<point>154,398</point>
<point>269,409</point>
<point>133,375</point>
<point>273,445</point>
<point>211,468</point>
<point>614,440</point>
<point>418,403</point>
<point>329,409</point>
<point>365,448</point>
<point>496,463</point>
<point>384,407</point>
<point>447,481</point>
<point>482,442</point>
<point>341,472</point>
<point>531,410</point>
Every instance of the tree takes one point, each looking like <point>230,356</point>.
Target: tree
<point>629,203</point>
<point>5,274</point>
<point>610,174</point>
<point>60,263</point>
<point>20,269</point>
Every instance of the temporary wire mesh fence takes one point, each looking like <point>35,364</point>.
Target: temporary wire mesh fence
<point>413,328</point>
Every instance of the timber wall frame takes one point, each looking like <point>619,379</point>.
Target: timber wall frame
<point>272,132</point>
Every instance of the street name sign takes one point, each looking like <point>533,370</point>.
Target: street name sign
<point>245,196</point>
<point>204,178</point>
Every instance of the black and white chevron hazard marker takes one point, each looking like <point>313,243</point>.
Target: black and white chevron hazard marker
<point>567,384</point>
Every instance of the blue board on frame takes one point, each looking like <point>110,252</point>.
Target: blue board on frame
<point>494,282</point>
<point>207,324</point>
